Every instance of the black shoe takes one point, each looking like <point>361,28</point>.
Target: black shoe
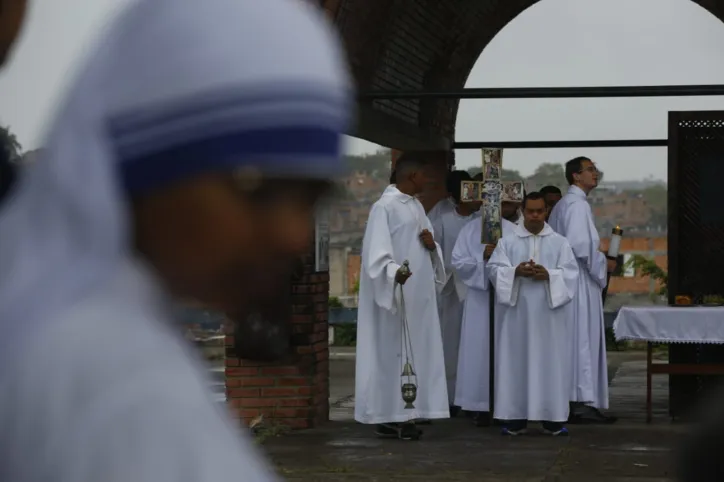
<point>454,411</point>
<point>481,419</point>
<point>515,427</point>
<point>387,430</point>
<point>590,415</point>
<point>408,431</point>
<point>556,429</point>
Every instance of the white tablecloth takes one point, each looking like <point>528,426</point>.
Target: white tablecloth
<point>670,324</point>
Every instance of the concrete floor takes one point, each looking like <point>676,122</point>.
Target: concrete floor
<point>454,450</point>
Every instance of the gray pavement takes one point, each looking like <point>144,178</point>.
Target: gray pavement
<point>454,450</point>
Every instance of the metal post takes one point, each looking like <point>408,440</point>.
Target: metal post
<point>563,144</point>
<point>491,370</point>
<point>549,92</point>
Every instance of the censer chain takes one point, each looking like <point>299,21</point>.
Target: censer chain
<point>405,342</point>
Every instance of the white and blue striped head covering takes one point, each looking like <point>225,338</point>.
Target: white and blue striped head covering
<point>176,88</point>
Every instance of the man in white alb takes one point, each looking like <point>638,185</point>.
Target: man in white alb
<point>572,218</point>
<point>534,274</point>
<point>469,259</point>
<point>450,301</point>
<point>397,231</point>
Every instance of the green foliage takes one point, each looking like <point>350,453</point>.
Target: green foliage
<point>334,302</point>
<point>355,288</point>
<point>648,267</point>
<point>345,335</point>
<point>548,174</point>
<point>263,429</point>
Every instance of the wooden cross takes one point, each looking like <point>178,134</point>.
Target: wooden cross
<point>492,195</point>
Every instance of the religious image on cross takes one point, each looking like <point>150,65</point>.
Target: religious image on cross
<point>492,191</point>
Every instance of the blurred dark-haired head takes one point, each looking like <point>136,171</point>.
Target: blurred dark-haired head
<point>453,182</point>
<point>552,195</point>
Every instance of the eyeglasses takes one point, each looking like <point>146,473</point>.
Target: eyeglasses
<point>592,170</point>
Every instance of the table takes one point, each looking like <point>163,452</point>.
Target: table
<point>671,324</point>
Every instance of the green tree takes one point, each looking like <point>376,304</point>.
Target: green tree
<point>10,144</point>
<point>648,267</point>
<point>548,174</point>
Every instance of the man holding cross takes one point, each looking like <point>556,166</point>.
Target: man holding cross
<point>469,259</point>
<point>447,228</point>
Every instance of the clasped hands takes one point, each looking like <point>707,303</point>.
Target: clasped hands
<point>529,269</point>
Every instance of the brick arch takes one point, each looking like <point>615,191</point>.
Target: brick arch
<point>423,44</point>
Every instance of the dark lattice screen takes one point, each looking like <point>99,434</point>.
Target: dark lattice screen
<point>696,234</point>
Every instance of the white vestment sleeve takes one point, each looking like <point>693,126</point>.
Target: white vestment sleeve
<point>502,275</point>
<point>162,436</point>
<point>438,263</point>
<point>563,280</point>
<point>467,258</point>
<point>377,256</point>
<point>578,229</point>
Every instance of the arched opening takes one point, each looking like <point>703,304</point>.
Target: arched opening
<point>597,43</point>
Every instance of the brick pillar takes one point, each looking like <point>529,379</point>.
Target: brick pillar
<point>295,391</point>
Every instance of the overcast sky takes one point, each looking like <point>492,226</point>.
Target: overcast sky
<point>554,43</point>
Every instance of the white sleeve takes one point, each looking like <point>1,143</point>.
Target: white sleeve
<point>563,280</point>
<point>166,431</point>
<point>467,258</point>
<point>118,399</point>
<point>502,275</point>
<point>378,259</point>
<point>579,233</point>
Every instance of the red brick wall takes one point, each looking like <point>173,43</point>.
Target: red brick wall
<point>638,284</point>
<point>294,392</point>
